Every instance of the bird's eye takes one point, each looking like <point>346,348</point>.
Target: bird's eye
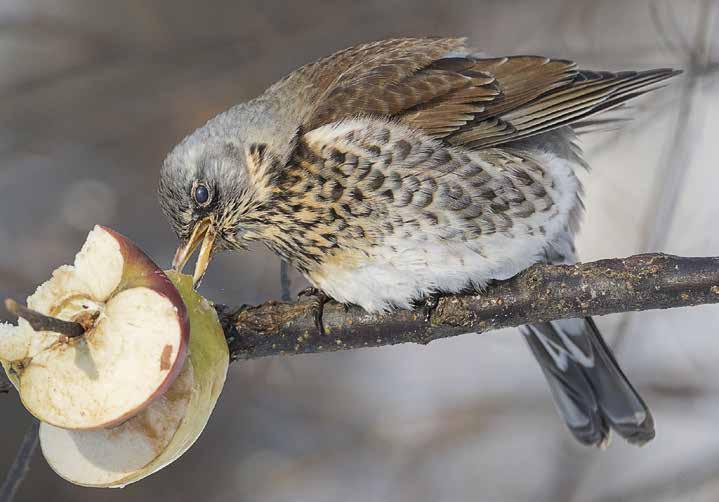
<point>201,194</point>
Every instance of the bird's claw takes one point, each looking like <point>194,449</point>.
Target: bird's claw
<point>428,305</point>
<point>318,306</point>
<point>309,291</point>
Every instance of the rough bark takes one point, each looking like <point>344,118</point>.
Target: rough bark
<point>541,293</point>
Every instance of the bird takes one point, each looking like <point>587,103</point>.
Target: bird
<point>394,171</point>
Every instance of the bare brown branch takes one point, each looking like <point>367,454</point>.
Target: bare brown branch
<point>541,293</point>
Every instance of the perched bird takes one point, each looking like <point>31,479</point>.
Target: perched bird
<point>393,171</point>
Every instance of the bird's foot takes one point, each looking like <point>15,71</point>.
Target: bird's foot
<point>318,306</point>
<point>309,291</point>
<point>428,305</point>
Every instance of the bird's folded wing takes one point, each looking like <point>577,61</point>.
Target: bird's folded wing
<point>437,86</point>
<point>360,79</point>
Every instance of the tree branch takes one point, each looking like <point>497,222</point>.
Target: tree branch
<point>540,293</point>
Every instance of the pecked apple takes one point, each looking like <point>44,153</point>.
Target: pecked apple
<point>132,345</point>
<point>122,363</point>
<point>162,432</point>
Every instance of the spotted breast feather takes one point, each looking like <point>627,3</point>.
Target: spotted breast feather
<point>378,214</point>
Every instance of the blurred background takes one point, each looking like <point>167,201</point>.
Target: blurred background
<point>94,94</point>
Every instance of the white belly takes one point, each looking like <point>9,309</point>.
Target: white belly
<point>413,270</point>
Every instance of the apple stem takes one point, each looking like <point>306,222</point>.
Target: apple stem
<point>42,322</point>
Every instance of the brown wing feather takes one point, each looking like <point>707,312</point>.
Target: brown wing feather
<point>366,78</point>
<point>589,93</point>
<point>514,81</point>
<point>449,109</point>
<point>463,100</point>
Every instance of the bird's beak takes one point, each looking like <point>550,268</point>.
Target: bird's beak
<point>205,233</point>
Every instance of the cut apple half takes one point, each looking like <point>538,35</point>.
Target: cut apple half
<point>133,347</point>
<point>162,432</point>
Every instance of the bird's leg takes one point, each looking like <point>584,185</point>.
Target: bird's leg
<point>318,306</point>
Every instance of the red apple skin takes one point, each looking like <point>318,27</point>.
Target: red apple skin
<point>140,271</point>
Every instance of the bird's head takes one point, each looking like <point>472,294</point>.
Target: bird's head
<point>212,189</point>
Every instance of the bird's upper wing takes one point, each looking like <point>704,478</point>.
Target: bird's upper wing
<point>437,86</point>
<point>366,78</point>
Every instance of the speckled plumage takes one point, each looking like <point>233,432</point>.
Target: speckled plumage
<point>413,215</point>
<point>396,169</point>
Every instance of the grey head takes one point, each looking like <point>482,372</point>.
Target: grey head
<point>212,185</point>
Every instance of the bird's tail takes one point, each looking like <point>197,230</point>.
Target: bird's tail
<point>590,391</point>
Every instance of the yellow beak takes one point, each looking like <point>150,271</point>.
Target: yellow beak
<point>204,232</point>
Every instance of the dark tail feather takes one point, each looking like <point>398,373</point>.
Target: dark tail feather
<point>591,392</point>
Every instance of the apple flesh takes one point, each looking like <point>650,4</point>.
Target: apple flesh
<point>133,349</point>
<point>161,433</point>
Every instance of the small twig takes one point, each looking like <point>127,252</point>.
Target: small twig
<point>41,322</point>
<point>20,466</point>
